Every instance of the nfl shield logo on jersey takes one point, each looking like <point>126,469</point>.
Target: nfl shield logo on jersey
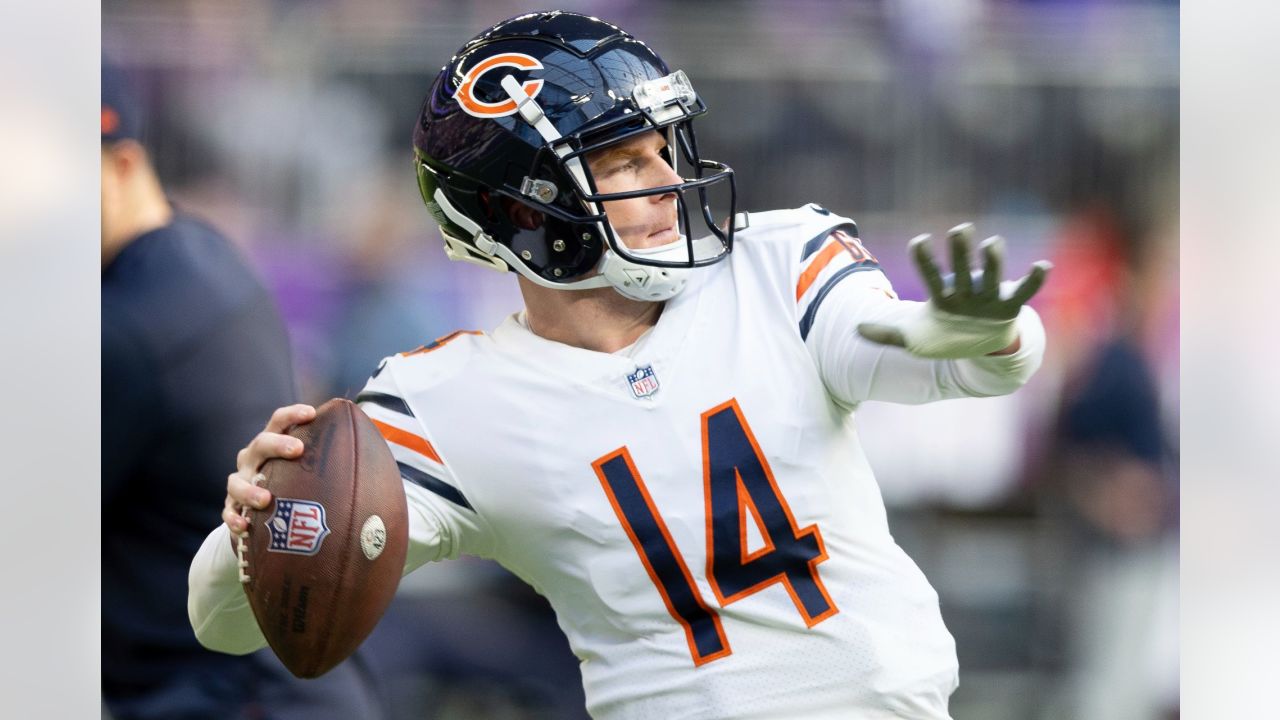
<point>297,527</point>
<point>643,382</point>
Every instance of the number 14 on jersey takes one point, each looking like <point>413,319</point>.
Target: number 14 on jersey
<point>739,488</point>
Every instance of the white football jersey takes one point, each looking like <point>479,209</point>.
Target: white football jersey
<point>697,508</point>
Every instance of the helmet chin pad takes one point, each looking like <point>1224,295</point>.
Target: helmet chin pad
<point>650,283</point>
<point>646,283</point>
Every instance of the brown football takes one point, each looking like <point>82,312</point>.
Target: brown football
<point>324,559</point>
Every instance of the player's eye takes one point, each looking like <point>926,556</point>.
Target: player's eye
<point>623,166</point>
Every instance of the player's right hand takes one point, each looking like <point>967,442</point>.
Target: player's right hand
<point>242,491</point>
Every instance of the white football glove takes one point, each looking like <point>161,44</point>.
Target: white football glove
<point>969,314</point>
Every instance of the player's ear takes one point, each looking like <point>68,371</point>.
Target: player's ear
<point>520,215</point>
<point>126,157</point>
<point>523,216</point>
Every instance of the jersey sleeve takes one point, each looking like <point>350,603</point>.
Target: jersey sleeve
<point>802,255</point>
<point>443,523</point>
<point>855,369</point>
<point>217,607</point>
<point>838,284</point>
<point>834,259</point>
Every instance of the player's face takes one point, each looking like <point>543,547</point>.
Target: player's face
<point>638,164</point>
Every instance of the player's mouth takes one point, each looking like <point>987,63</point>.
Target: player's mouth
<point>662,237</point>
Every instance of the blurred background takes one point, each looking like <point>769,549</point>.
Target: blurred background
<point>1047,521</point>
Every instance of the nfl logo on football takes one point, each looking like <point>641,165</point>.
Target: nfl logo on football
<point>297,527</point>
<point>643,382</point>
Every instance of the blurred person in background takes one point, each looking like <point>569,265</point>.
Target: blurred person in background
<point>549,147</point>
<point>1110,480</point>
<point>193,353</point>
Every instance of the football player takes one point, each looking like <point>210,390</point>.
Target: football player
<point>662,442</point>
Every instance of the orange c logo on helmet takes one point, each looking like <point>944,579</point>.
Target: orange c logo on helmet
<point>478,108</point>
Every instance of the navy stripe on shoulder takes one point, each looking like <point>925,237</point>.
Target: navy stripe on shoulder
<point>434,484</point>
<point>390,402</point>
<point>806,322</point>
<point>812,246</point>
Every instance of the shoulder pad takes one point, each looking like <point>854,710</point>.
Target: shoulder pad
<point>433,362</point>
<point>807,216</point>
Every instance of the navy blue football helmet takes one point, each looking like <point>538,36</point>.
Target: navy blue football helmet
<point>513,115</point>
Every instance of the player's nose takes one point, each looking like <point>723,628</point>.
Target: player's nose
<point>669,174</point>
<point>666,175</point>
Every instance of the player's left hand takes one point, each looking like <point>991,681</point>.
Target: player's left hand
<point>969,313</point>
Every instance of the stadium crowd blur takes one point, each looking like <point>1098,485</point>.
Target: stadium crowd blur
<point>1047,520</point>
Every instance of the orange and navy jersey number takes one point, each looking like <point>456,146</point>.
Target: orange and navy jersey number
<point>668,570</point>
<point>736,477</point>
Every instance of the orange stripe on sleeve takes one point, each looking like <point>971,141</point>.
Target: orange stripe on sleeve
<point>439,342</point>
<point>821,261</point>
<point>408,440</point>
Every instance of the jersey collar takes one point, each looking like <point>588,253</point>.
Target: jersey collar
<point>607,371</point>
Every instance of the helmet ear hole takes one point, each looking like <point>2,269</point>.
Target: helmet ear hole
<point>521,215</point>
